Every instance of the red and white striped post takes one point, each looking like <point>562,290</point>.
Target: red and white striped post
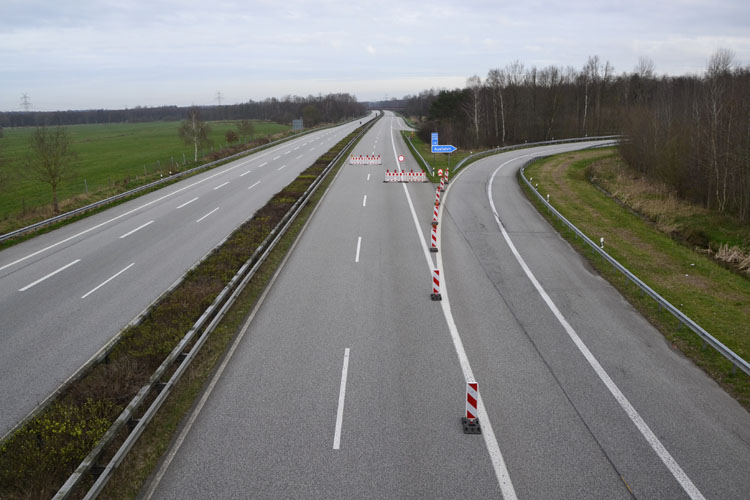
<point>445,177</point>
<point>433,245</point>
<point>442,184</point>
<point>471,420</point>
<point>435,215</point>
<point>436,285</point>
<point>437,197</point>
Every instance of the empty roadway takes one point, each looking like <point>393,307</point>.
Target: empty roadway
<point>619,415</point>
<point>65,294</point>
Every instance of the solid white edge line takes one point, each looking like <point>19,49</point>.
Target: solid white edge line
<point>364,201</point>
<point>490,441</point>
<point>221,185</point>
<point>220,370</point>
<point>342,396</point>
<point>107,281</point>
<point>254,185</point>
<point>136,229</point>
<point>359,244</point>
<point>680,476</point>
<point>209,213</point>
<point>188,202</point>
<point>63,268</point>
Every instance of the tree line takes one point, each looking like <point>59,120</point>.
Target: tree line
<point>314,109</point>
<point>691,132</point>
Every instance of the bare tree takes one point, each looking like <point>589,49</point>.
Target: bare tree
<point>246,129</point>
<point>471,108</point>
<point>719,66</point>
<point>193,131</point>
<point>645,67</point>
<point>497,79</point>
<point>51,158</point>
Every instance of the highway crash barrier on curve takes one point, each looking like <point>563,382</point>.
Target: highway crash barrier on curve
<point>365,160</point>
<point>404,176</point>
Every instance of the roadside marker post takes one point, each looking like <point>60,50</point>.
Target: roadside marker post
<point>436,285</point>
<point>433,245</point>
<point>471,421</point>
<point>435,215</point>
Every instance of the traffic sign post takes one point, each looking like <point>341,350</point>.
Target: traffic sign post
<point>436,147</point>
<point>401,158</point>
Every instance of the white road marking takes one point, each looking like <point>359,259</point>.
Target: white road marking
<point>245,173</point>
<point>359,245</point>
<point>295,149</point>
<point>136,229</point>
<point>342,396</point>
<point>221,185</point>
<point>188,202</point>
<point>496,457</point>
<point>281,167</point>
<point>630,411</point>
<point>300,156</point>
<point>63,268</point>
<point>220,370</point>
<point>277,157</point>
<point>254,185</point>
<point>209,213</point>
<point>286,153</point>
<point>263,164</point>
<point>364,201</point>
<point>107,281</point>
<point>368,177</point>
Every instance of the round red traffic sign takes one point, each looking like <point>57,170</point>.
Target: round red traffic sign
<point>440,172</point>
<point>401,158</point>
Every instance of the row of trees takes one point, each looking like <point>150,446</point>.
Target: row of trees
<point>691,132</point>
<point>322,108</point>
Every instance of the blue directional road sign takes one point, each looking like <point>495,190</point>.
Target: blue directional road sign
<point>440,148</point>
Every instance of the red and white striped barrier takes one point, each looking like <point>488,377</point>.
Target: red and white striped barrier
<point>471,420</point>
<point>403,176</point>
<point>441,187</point>
<point>436,285</point>
<point>365,160</point>
<point>437,197</point>
<point>435,215</point>
<point>433,238</point>
<point>445,177</point>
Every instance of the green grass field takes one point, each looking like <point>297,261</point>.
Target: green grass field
<point>106,154</point>
<point>714,297</point>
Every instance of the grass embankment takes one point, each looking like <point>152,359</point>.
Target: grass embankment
<point>36,460</point>
<point>111,158</point>
<point>714,297</point>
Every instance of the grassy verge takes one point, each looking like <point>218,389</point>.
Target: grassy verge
<point>110,158</point>
<point>36,459</point>
<point>714,297</point>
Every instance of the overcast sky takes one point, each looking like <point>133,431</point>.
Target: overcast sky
<point>77,54</point>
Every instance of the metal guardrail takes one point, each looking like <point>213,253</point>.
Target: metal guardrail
<point>216,311</point>
<point>709,339</point>
<point>424,162</point>
<point>111,199</point>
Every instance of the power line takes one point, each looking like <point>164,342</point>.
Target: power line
<point>219,95</point>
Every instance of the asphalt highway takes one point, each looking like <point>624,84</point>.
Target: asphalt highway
<point>349,382</point>
<point>65,294</point>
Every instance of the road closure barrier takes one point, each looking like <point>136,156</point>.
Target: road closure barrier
<point>365,160</point>
<point>433,238</point>
<point>436,285</point>
<point>435,215</point>
<point>404,176</point>
<point>471,420</point>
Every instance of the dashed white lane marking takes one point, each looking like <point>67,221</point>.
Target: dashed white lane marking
<point>300,156</point>
<point>364,201</point>
<point>107,281</point>
<point>277,157</point>
<point>263,164</point>
<point>221,186</point>
<point>254,185</point>
<point>63,268</point>
<point>136,229</point>
<point>209,213</point>
<point>359,245</point>
<point>188,202</point>
<point>281,167</point>
<point>245,173</point>
<point>342,396</point>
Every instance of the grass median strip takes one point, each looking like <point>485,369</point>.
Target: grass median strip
<point>37,459</point>
<point>711,295</point>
